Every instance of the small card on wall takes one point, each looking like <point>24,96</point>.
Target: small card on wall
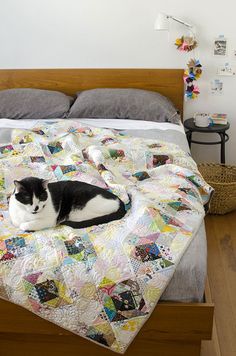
<point>216,87</point>
<point>226,70</point>
<point>220,47</point>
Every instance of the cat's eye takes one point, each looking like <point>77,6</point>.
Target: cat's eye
<point>26,199</point>
<point>43,196</point>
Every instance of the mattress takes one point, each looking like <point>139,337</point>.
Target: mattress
<point>188,282</point>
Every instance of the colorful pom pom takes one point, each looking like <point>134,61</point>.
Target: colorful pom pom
<point>194,68</point>
<point>192,73</point>
<point>186,43</point>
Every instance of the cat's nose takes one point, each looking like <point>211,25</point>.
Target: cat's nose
<point>36,208</point>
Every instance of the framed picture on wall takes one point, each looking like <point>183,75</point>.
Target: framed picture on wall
<point>216,87</point>
<point>226,70</point>
<point>220,47</point>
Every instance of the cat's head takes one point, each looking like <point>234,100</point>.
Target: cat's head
<point>32,193</point>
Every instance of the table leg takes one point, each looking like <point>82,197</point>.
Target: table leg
<point>189,138</point>
<point>222,148</point>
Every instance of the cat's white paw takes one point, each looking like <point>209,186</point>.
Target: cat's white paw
<point>26,226</point>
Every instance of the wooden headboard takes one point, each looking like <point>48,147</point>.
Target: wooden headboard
<point>168,82</point>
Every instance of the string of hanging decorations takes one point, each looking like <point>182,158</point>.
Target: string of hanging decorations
<point>194,68</point>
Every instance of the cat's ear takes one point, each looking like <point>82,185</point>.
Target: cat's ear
<point>18,185</point>
<point>45,183</point>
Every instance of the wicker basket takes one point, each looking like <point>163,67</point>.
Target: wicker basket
<point>223,179</point>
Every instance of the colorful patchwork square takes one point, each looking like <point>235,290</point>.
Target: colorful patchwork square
<point>150,268</point>
<point>178,205</point>
<point>155,160</point>
<point>6,149</point>
<point>15,243</point>
<point>81,130</point>
<point>123,300</point>
<point>55,147</point>
<point>141,175</point>
<point>46,291</point>
<point>81,249</point>
<point>39,132</point>
<point>74,246</point>
<point>149,258</point>
<point>37,159</point>
<point>169,220</point>
<point>26,139</point>
<point>101,333</point>
<point>68,168</point>
<point>64,170</point>
<point>108,141</point>
<point>15,247</point>
<point>114,153</point>
<point>159,160</point>
<point>148,252</point>
<point>188,191</point>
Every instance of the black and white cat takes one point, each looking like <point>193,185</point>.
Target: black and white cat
<point>37,204</point>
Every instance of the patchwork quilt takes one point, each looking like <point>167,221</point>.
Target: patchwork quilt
<point>101,282</point>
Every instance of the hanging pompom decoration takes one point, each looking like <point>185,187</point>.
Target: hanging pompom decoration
<point>192,91</point>
<point>186,43</point>
<point>194,67</point>
<point>192,73</point>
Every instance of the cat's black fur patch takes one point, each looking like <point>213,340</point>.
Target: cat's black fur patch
<point>72,195</point>
<point>28,187</point>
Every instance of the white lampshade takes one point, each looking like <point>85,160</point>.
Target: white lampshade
<point>162,22</point>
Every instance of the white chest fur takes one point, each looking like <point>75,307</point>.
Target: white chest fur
<point>17,212</point>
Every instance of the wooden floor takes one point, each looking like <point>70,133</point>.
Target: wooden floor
<point>221,236</point>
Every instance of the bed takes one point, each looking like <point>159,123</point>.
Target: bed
<point>174,328</point>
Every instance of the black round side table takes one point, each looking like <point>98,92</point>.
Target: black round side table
<point>219,129</point>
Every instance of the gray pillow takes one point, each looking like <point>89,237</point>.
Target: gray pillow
<point>26,103</point>
<point>134,104</point>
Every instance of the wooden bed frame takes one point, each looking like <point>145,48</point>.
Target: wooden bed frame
<point>174,329</point>
<point>168,82</point>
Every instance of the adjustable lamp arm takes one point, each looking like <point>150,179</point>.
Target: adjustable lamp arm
<point>180,21</point>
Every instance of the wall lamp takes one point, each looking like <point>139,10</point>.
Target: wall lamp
<point>162,22</point>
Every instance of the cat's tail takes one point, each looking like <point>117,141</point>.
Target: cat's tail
<point>99,220</point>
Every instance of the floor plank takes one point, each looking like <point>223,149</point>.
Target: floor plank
<point>221,239</point>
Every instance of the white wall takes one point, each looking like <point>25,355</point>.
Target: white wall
<point>120,33</point>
